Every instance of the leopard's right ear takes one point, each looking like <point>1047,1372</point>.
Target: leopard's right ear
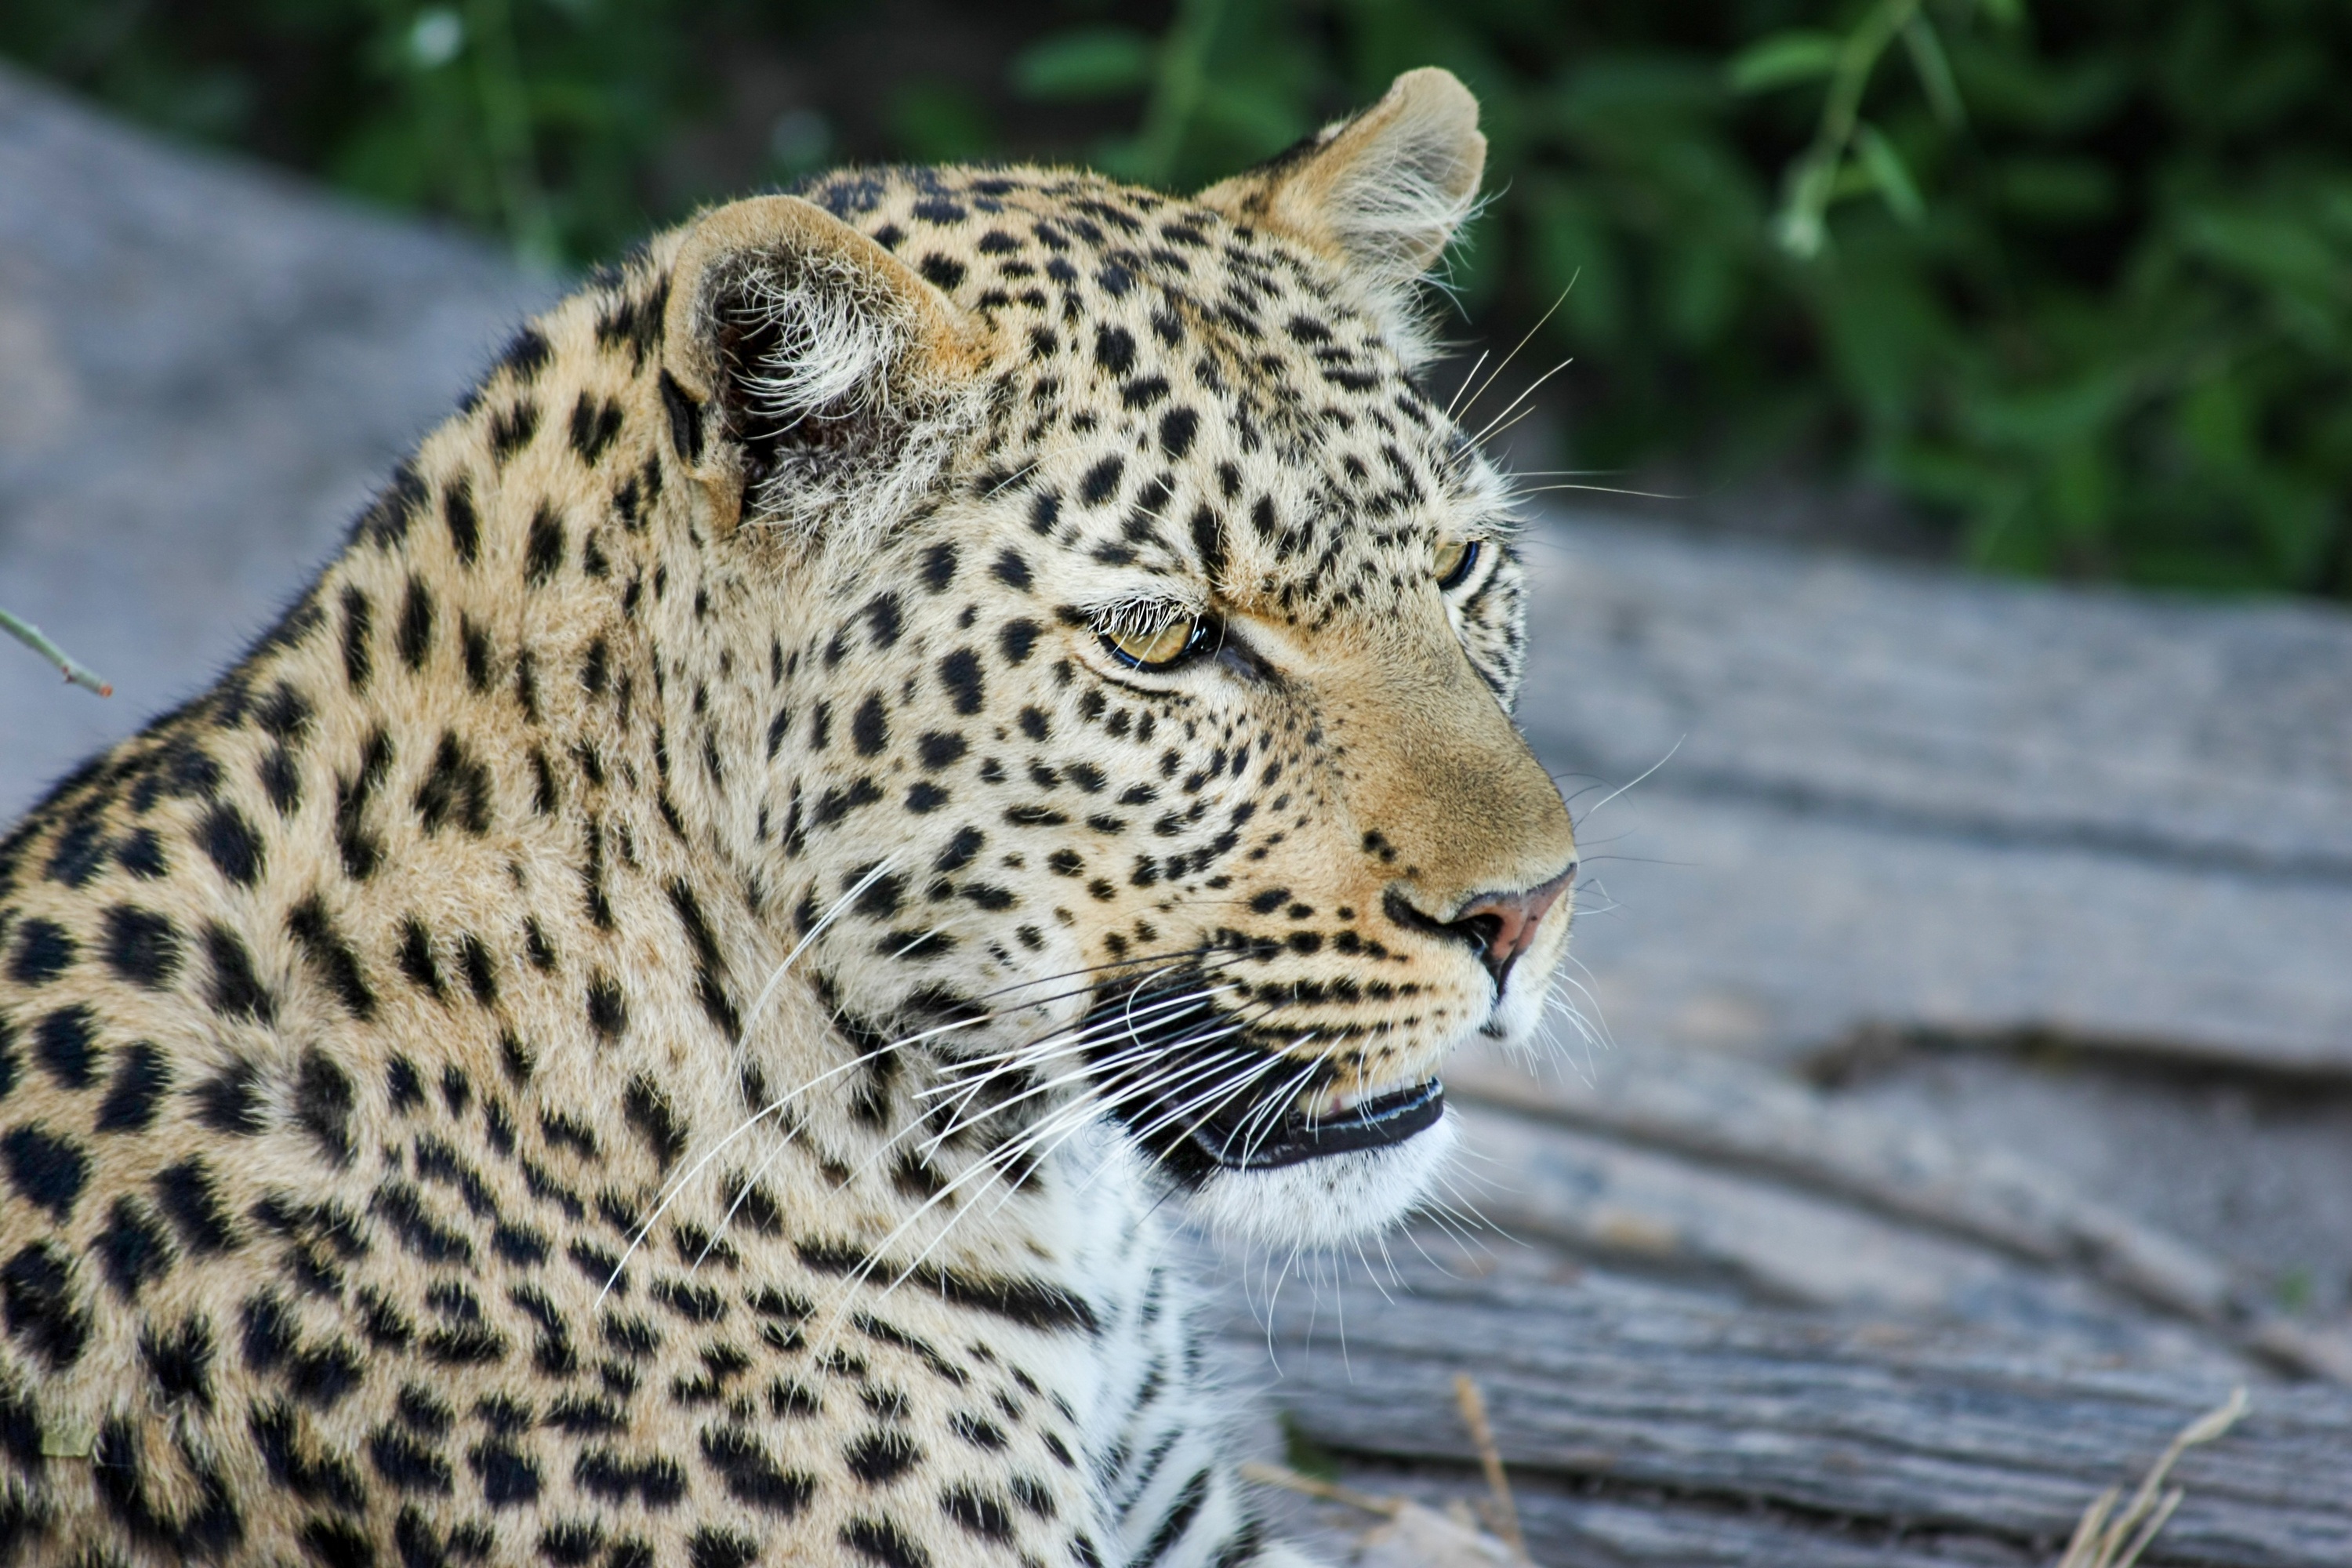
<point>809,373</point>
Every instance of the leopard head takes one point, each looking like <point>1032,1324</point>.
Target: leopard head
<point>1097,649</point>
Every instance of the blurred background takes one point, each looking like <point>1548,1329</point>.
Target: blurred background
<point>2054,288</point>
<point>1935,426</point>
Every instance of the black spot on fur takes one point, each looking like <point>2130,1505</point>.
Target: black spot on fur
<point>189,1198</point>
<point>882,1456</point>
<point>526,354</point>
<point>45,950</point>
<point>359,622</point>
<point>324,1098</point>
<point>869,730</point>
<point>882,1542</point>
<point>457,787</point>
<point>233,846</point>
<point>752,1475</point>
<point>230,1100</point>
<point>685,419</point>
<point>65,1043</point>
<point>1101,481</point>
<point>237,991</point>
<point>593,426</point>
<point>406,1464</point>
<point>711,1547</point>
<point>509,1477</point>
<point>40,1306</point>
<point>416,960</point>
<point>542,546</point>
<point>960,673</point>
<point>141,1080</point>
<point>314,932</point>
<point>133,1249</point>
<point>977,1512</point>
<point>512,427</point>
<point>181,1361</point>
<point>465,524</point>
<point>1114,349</point>
<point>142,947</point>
<point>654,1119</point>
<point>361,849</point>
<point>47,1171</point>
<point>607,1013</point>
<point>387,519</point>
<point>414,637</point>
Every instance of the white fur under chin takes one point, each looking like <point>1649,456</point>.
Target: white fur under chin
<point>1319,1202</point>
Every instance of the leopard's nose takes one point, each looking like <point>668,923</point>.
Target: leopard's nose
<point>1498,926</point>
<point>1503,925</point>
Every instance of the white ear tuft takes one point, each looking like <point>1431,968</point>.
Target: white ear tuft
<point>1384,191</point>
<point>829,339</point>
<point>841,378</point>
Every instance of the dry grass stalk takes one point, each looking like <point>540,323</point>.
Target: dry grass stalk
<point>2101,1541</point>
<point>1490,1457</point>
<point>1283,1476</point>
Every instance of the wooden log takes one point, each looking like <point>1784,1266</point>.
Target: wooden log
<point>1651,1404</point>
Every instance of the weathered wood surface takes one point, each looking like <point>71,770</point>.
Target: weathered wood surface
<point>1732,1116</point>
<point>1897,796</point>
<point>1768,1435</point>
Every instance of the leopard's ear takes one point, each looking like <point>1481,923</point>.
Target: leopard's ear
<point>1382,193</point>
<point>809,372</point>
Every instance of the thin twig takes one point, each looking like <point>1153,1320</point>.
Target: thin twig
<point>1490,1459</point>
<point>31,636</point>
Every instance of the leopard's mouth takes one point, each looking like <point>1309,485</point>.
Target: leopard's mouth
<point>1246,1140</point>
<point>1200,1096</point>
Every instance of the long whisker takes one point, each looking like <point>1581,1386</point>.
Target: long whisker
<point>768,991</point>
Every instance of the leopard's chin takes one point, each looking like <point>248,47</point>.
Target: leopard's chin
<point>1326,1198</point>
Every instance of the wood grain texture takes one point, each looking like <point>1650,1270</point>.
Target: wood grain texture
<point>1616,1397</point>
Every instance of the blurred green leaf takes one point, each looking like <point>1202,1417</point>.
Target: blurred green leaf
<point>1784,59</point>
<point>940,122</point>
<point>1888,175</point>
<point>1097,62</point>
<point>1935,70</point>
<point>2056,190</point>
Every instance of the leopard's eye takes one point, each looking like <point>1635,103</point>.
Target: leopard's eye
<point>1456,559</point>
<point>1156,647</point>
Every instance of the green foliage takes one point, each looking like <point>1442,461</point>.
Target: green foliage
<point>2078,279</point>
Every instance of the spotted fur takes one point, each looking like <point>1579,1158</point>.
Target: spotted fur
<point>652,1020</point>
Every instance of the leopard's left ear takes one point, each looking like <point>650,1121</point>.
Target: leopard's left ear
<point>1382,193</point>
<point>811,376</point>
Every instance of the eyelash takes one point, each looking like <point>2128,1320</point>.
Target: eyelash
<point>1130,632</point>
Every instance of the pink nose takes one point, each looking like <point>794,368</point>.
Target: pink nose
<point>1504,925</point>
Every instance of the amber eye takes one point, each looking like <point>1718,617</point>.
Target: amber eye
<point>1456,558</point>
<point>1155,647</point>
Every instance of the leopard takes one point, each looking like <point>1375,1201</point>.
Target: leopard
<point>913,743</point>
